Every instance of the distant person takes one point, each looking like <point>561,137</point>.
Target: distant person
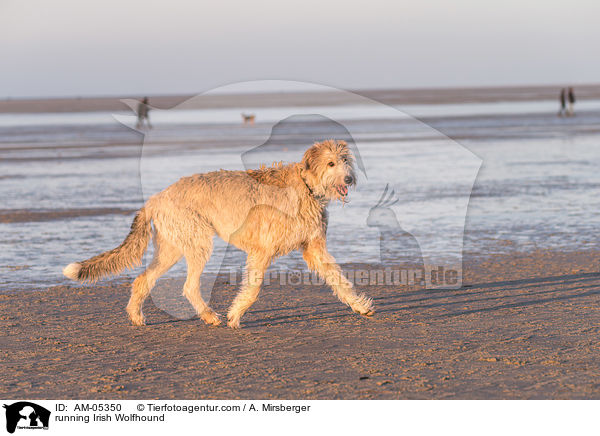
<point>571,97</point>
<point>563,103</point>
<point>142,114</point>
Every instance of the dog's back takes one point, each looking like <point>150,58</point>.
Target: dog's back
<point>239,206</point>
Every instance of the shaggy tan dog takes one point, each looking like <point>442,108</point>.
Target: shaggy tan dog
<point>266,213</point>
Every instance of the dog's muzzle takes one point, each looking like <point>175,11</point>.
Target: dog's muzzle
<point>342,190</point>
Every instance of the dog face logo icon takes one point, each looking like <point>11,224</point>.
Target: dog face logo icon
<point>24,414</point>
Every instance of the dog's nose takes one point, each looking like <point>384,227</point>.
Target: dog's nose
<point>348,180</point>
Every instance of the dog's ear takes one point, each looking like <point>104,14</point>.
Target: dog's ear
<point>308,160</point>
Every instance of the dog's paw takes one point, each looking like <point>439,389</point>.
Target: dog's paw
<point>138,320</point>
<point>233,322</point>
<point>210,317</point>
<point>363,306</point>
<point>368,313</point>
<point>136,317</point>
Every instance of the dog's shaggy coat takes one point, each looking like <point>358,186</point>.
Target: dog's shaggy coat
<point>266,213</point>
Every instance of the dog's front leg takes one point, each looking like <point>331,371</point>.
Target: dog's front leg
<point>319,260</point>
<point>256,265</point>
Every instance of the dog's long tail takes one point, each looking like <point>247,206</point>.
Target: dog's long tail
<point>126,255</point>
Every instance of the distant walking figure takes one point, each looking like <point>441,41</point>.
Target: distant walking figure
<point>563,103</point>
<point>571,97</point>
<point>142,114</point>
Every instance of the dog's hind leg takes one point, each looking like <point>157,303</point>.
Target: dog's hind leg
<point>256,265</point>
<point>165,256</point>
<point>318,259</point>
<point>196,259</point>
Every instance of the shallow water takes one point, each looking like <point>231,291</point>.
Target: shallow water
<point>537,186</point>
<point>232,115</point>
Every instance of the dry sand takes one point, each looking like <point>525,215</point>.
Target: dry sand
<point>523,326</point>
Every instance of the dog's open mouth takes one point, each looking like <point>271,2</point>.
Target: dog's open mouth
<point>342,190</point>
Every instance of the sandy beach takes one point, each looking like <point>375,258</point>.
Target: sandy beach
<point>522,326</point>
<point>524,323</point>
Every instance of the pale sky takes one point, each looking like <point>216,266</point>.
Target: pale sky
<point>138,47</point>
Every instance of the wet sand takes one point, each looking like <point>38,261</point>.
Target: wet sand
<point>525,325</point>
<point>30,216</point>
<point>261,100</point>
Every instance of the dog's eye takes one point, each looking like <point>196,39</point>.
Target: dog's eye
<point>331,164</point>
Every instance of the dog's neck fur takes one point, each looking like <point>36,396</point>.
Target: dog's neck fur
<point>321,199</point>
<point>275,176</point>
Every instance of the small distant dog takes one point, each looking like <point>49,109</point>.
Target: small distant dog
<point>248,118</point>
<point>266,213</point>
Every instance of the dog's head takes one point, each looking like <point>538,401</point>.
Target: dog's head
<point>328,169</point>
